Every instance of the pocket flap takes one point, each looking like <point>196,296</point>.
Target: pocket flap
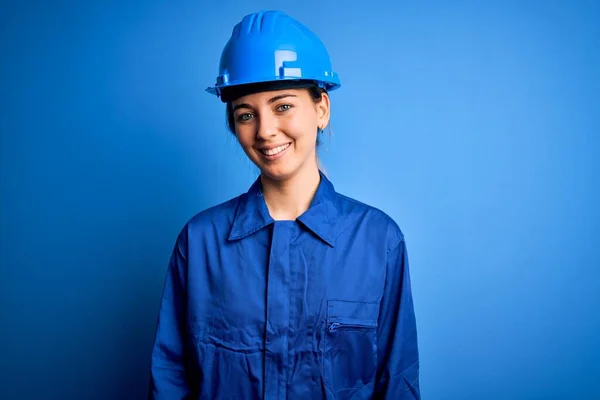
<point>341,310</point>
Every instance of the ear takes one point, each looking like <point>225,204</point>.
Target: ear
<point>323,111</point>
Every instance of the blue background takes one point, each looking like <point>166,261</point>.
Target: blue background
<point>474,124</point>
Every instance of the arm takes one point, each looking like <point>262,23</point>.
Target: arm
<point>168,378</point>
<point>398,369</point>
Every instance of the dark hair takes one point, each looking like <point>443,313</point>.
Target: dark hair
<point>316,94</point>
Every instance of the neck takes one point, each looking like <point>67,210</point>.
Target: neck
<point>290,198</point>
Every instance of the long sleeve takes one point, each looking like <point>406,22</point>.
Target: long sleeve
<point>398,369</point>
<point>168,378</point>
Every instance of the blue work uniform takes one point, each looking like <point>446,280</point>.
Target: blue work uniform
<point>316,308</point>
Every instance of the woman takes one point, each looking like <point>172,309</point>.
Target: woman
<point>291,290</point>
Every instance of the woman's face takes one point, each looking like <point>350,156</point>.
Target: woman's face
<point>278,130</point>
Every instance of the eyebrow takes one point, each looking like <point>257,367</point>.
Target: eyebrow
<point>271,100</point>
<point>281,96</point>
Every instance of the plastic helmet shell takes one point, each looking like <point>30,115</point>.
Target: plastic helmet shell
<point>272,46</point>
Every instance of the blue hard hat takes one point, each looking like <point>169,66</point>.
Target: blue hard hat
<point>270,46</point>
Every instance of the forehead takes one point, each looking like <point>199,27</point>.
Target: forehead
<point>272,95</point>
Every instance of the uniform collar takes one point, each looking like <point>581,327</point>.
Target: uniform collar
<point>320,218</point>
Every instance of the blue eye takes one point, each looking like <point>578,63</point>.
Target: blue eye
<point>284,107</point>
<point>244,117</point>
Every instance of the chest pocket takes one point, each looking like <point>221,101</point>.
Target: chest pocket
<point>350,354</point>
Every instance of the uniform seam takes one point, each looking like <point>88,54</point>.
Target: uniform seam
<point>401,373</point>
<point>394,247</point>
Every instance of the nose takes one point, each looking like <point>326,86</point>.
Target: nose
<point>267,126</point>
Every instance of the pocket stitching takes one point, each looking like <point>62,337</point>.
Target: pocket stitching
<point>328,379</point>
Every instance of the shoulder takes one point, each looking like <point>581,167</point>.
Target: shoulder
<point>350,209</point>
<point>213,219</point>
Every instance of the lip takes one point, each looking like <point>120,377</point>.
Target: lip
<point>276,156</point>
<point>274,146</point>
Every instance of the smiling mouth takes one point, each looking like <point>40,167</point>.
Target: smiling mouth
<point>276,150</point>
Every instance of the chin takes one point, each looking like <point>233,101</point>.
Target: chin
<point>278,173</point>
<point>275,175</point>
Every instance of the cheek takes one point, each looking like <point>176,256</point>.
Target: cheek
<point>246,146</point>
<point>244,137</point>
<point>302,128</point>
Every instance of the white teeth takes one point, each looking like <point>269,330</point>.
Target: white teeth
<point>276,150</point>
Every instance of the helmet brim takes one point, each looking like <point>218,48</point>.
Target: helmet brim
<point>233,93</point>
